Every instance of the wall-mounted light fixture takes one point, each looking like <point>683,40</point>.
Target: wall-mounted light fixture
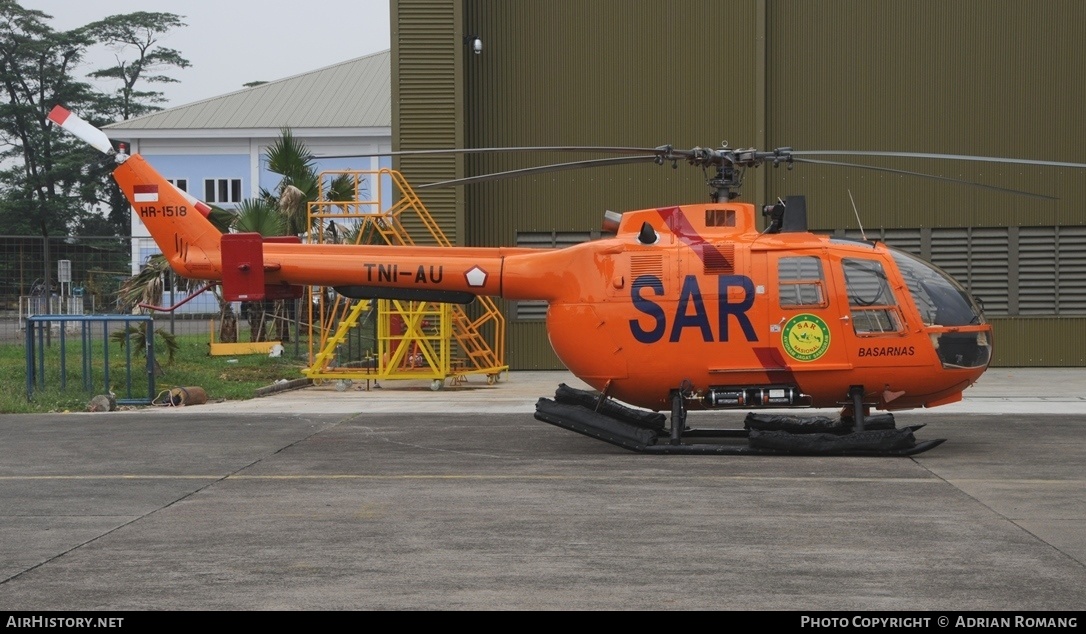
<point>474,42</point>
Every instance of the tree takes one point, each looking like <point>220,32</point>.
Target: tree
<point>36,65</point>
<point>285,211</point>
<point>299,185</point>
<point>53,179</point>
<point>137,34</point>
<point>46,177</point>
<point>134,39</point>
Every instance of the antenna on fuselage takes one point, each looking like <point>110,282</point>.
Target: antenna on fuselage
<point>857,212</point>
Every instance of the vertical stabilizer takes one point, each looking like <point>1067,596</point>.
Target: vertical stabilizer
<point>176,220</point>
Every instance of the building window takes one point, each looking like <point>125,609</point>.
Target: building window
<point>180,183</point>
<point>222,190</point>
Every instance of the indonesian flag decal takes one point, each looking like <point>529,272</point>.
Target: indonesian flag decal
<point>145,194</point>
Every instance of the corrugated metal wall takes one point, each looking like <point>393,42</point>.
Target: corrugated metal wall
<point>978,77</point>
<point>427,104</point>
<point>1040,341</point>
<point>609,72</point>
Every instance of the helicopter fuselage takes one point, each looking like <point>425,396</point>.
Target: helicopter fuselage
<point>690,299</point>
<point>744,319</point>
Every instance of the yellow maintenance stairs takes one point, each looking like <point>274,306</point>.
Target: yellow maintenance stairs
<point>411,339</point>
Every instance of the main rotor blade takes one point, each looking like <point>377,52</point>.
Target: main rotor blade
<point>954,157</point>
<point>498,150</point>
<point>553,167</point>
<point>923,175</point>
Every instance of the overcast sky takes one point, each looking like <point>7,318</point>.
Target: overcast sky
<point>232,42</point>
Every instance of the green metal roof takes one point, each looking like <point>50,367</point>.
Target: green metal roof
<point>352,94</point>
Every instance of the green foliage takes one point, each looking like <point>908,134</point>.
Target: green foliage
<point>51,178</point>
<point>36,70</point>
<point>138,35</point>
<point>341,187</point>
<point>260,216</point>
<point>292,160</point>
<point>221,219</point>
<point>134,338</point>
<point>146,286</point>
<point>300,183</point>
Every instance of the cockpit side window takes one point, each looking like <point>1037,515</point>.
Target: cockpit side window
<point>940,300</point>
<point>874,309</point>
<point>942,304</point>
<point>801,282</point>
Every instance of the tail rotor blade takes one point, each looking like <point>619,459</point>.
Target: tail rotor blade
<point>72,123</point>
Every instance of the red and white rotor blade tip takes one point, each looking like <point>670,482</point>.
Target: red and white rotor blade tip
<point>80,128</point>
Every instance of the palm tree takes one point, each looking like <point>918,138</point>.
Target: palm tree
<point>136,337</point>
<point>145,288</point>
<point>300,184</point>
<point>285,211</point>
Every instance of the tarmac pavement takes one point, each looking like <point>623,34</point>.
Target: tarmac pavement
<point>401,497</point>
<point>999,391</point>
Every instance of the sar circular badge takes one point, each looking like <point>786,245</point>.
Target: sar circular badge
<point>806,337</point>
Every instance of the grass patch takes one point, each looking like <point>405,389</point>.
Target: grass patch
<point>223,378</point>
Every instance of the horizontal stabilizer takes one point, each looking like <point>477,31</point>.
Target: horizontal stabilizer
<point>242,267</point>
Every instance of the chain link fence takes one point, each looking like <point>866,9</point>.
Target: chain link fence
<point>83,276</point>
<point>59,275</point>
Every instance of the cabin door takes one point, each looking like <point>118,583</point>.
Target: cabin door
<point>806,326</point>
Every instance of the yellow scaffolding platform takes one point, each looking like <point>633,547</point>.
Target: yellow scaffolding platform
<point>413,340</point>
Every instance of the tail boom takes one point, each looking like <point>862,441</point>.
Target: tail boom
<point>194,247</point>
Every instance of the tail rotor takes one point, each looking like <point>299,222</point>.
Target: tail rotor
<point>94,137</point>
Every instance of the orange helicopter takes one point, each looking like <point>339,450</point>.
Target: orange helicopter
<point>690,307</point>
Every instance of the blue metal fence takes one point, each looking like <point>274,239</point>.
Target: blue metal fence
<point>40,338</point>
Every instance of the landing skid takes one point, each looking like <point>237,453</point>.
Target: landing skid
<point>590,414</point>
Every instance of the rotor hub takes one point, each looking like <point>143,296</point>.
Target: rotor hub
<point>730,165</point>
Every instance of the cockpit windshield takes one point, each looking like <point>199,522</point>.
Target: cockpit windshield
<point>941,301</point>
